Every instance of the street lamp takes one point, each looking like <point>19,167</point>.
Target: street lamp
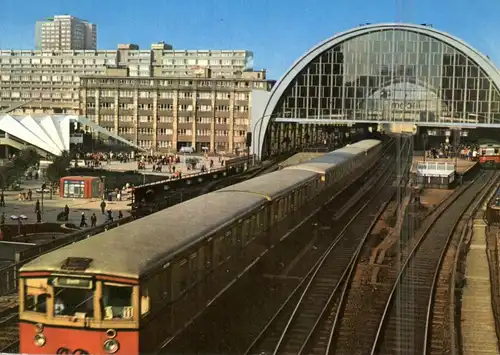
<point>44,186</point>
<point>19,220</point>
<point>424,137</point>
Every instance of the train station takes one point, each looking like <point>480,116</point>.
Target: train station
<point>395,76</point>
<point>368,202</point>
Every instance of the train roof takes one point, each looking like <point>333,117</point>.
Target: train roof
<point>135,248</point>
<point>328,161</point>
<point>366,144</point>
<point>272,185</point>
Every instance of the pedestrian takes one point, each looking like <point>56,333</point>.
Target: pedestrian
<point>103,206</point>
<point>66,213</point>
<point>38,216</point>
<point>37,206</point>
<point>2,200</point>
<point>83,221</point>
<point>110,215</point>
<point>30,194</point>
<point>2,219</point>
<point>120,215</point>
<point>93,220</point>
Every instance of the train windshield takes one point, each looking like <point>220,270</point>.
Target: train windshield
<point>116,301</point>
<point>73,302</point>
<point>36,295</point>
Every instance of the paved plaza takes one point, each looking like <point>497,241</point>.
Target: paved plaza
<point>52,207</point>
<point>117,166</point>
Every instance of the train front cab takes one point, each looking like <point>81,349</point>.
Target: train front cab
<point>78,314</point>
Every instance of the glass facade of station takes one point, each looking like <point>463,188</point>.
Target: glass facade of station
<point>390,75</point>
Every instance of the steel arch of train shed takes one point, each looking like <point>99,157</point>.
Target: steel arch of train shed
<point>280,88</point>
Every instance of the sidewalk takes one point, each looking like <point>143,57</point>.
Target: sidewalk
<point>52,207</point>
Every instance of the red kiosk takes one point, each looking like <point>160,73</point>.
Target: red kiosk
<point>81,187</point>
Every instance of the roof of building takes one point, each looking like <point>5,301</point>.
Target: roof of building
<point>48,133</point>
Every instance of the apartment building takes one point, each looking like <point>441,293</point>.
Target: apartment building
<point>165,114</point>
<point>65,32</point>
<point>48,81</point>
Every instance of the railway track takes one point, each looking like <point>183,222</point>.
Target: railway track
<point>231,325</point>
<point>305,322</point>
<point>9,332</point>
<point>405,322</point>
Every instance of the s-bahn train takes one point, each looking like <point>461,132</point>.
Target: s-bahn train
<point>130,289</point>
<point>489,156</point>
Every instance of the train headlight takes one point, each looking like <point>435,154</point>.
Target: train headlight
<point>111,346</point>
<point>39,327</point>
<point>40,340</point>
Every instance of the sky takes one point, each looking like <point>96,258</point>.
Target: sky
<point>277,31</point>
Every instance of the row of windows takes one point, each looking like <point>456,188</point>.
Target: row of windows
<point>163,119</point>
<point>170,94</point>
<point>167,107</point>
<point>181,131</point>
<point>180,83</point>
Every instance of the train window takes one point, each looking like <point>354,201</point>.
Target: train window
<point>245,232</point>
<point>221,249</point>
<point>208,253</point>
<point>145,301</point>
<point>182,275</point>
<point>35,295</point>
<point>73,302</point>
<point>116,301</point>
<point>254,229</point>
<point>193,268</point>
<point>231,243</point>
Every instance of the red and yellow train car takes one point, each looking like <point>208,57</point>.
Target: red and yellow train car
<point>67,311</point>
<point>489,156</point>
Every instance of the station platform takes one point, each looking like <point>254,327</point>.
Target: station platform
<point>52,207</point>
<point>463,166</point>
<point>182,167</point>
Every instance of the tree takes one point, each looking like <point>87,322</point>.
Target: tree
<point>16,168</point>
<point>58,168</point>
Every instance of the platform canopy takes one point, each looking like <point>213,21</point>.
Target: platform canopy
<point>50,133</point>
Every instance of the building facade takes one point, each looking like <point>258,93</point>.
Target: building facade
<point>382,73</point>
<point>165,114</point>
<point>65,32</point>
<point>48,81</point>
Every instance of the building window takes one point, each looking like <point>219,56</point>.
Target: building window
<point>203,132</point>
<point>145,119</point>
<point>165,107</point>
<point>221,132</point>
<point>222,108</point>
<point>164,144</point>
<point>223,95</point>
<point>164,119</point>
<point>125,130</point>
<point>145,106</point>
<point>145,131</point>
<point>240,108</point>
<point>204,95</point>
<point>107,118</point>
<point>185,94</point>
<point>185,119</point>
<point>185,107</point>
<point>221,120</point>
<point>205,120</point>
<point>164,131</point>
<point>126,93</point>
<point>108,105</point>
<point>166,94</point>
<point>184,132</point>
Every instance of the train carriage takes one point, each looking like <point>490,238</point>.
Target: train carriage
<point>131,288</point>
<point>96,294</point>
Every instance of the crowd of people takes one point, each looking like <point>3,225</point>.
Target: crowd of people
<point>445,150</point>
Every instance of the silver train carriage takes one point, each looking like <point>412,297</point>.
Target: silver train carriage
<point>176,260</point>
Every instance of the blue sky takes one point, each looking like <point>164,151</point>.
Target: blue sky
<point>277,31</point>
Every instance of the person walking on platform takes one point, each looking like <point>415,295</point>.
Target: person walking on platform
<point>103,207</point>
<point>30,194</point>
<point>110,215</point>
<point>37,206</point>
<point>38,216</point>
<point>93,220</point>
<point>83,221</point>
<point>66,213</point>
<point>2,200</point>
<point>120,215</point>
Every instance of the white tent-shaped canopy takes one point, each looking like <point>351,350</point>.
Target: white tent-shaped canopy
<point>50,133</point>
